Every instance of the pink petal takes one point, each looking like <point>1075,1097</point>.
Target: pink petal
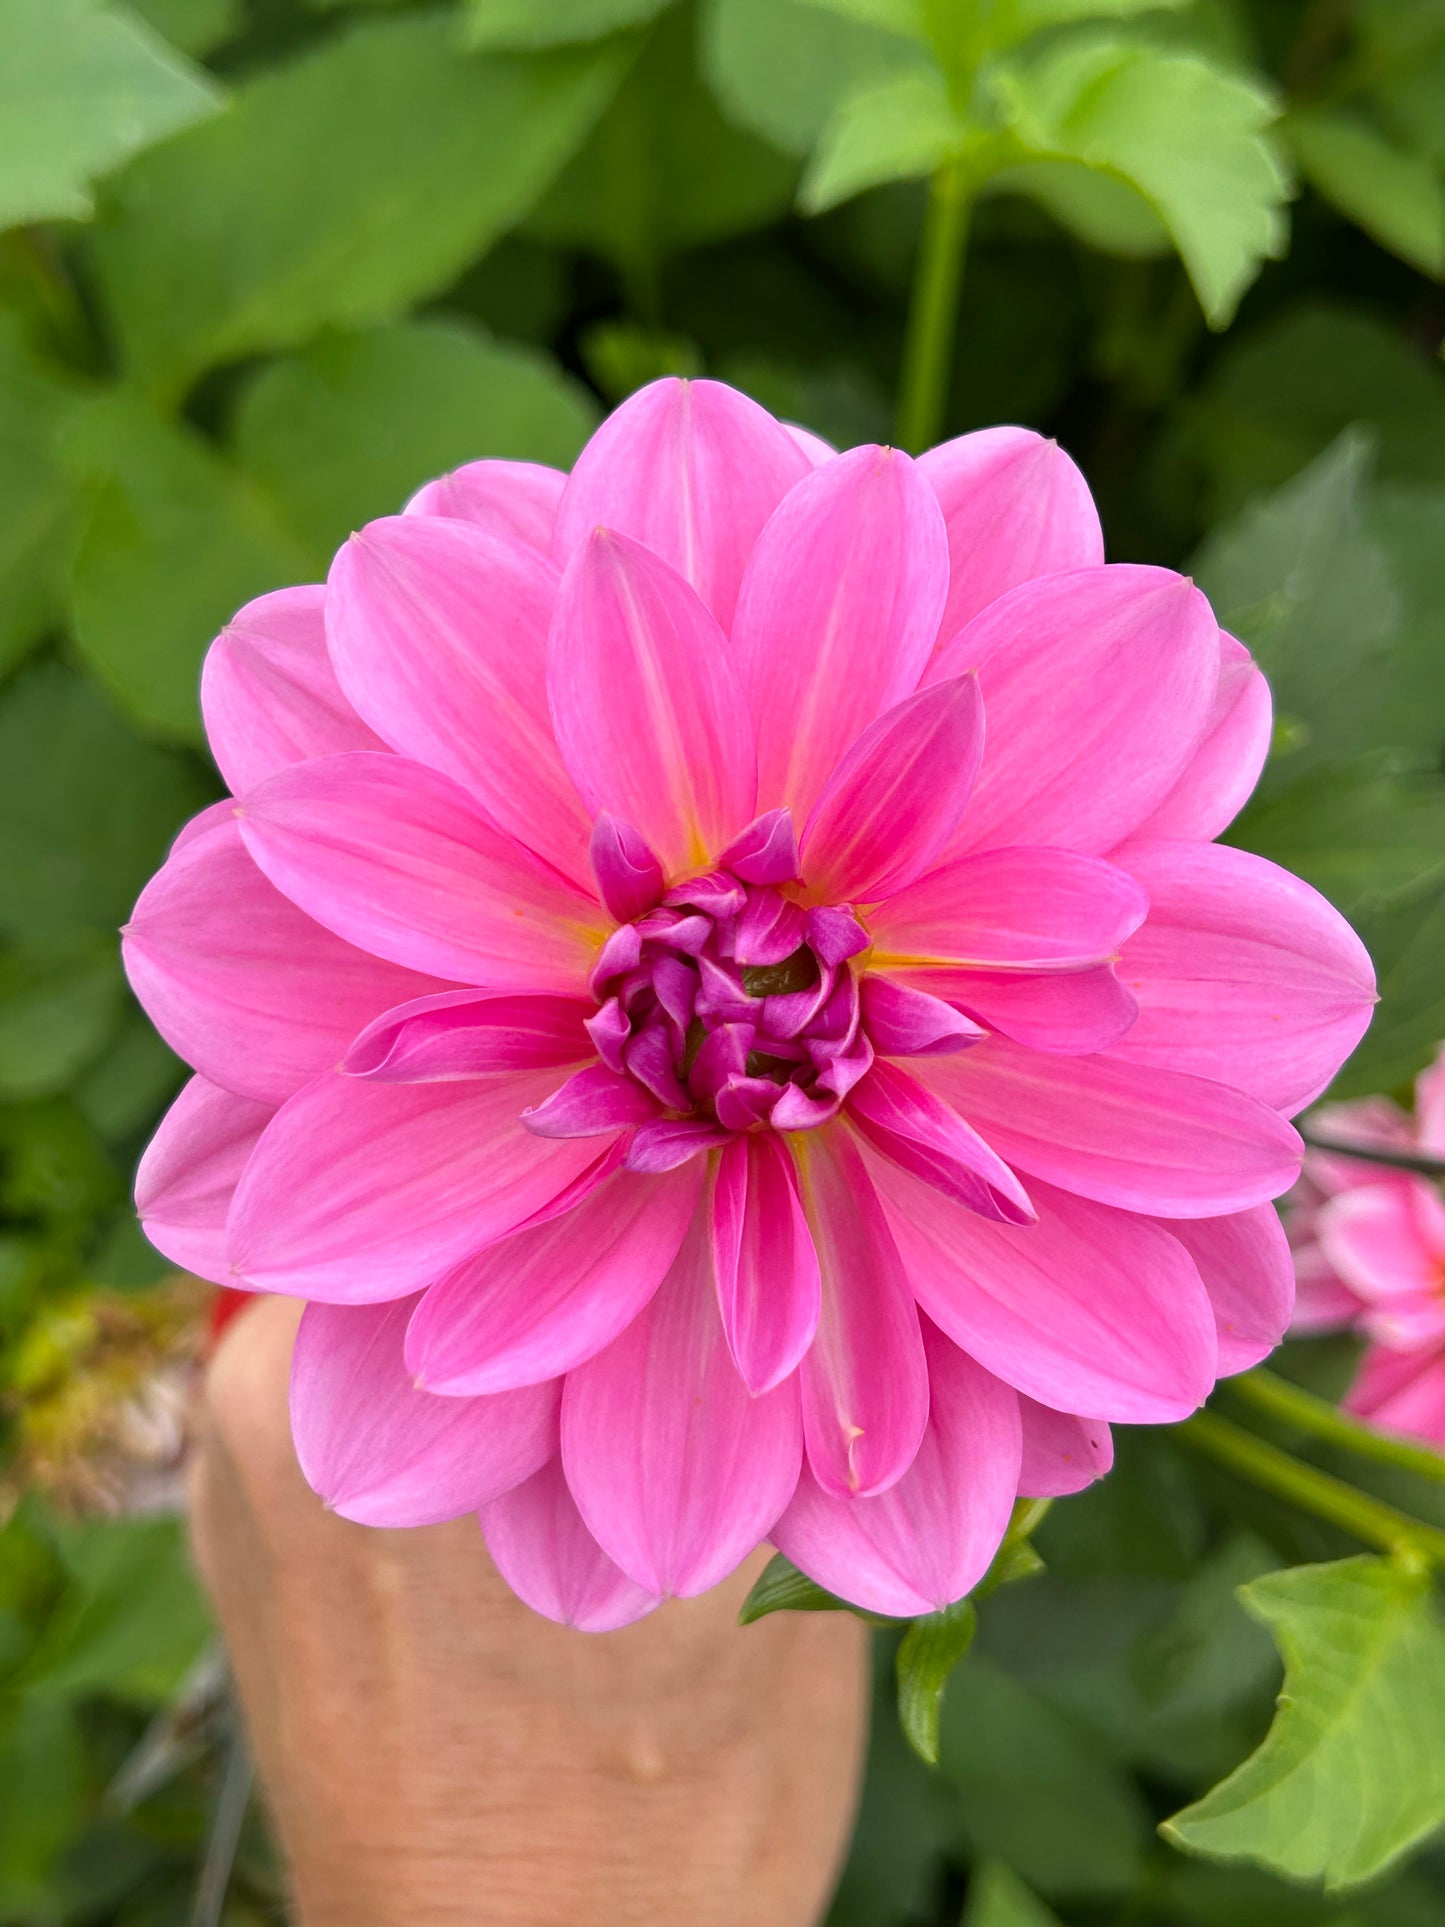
<point>1086,1310</point>
<point>400,861</point>
<point>837,614</point>
<point>1384,1240</point>
<point>1243,973</point>
<point>1071,1014</point>
<point>189,1174</point>
<point>864,1379</point>
<point>516,500</point>
<point>470,1033</point>
<point>439,635</point>
<point>384,1453</point>
<point>1010,909</point>
<point>905,1022</point>
<point>541,1302</point>
<point>1098,687</point>
<point>551,1561</point>
<point>591,1101</point>
<point>1402,1392</point>
<point>243,984</point>
<point>930,1538</point>
<point>361,1191</point>
<point>629,876</point>
<point>1218,779</point>
<point>1062,1453</point>
<point>649,711</point>
<point>1015,507</point>
<point>1148,1140</point>
<point>813,446</point>
<point>269,694</point>
<point>896,797</point>
<point>692,470</point>
<point>1248,1271</point>
<point>666,1142</point>
<point>912,1126</point>
<point>767,1269</point>
<point>1430,1107</point>
<point>677,1470</point>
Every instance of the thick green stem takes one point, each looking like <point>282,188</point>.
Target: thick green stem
<point>933,312</point>
<point>1292,1405</point>
<point>1369,1519</point>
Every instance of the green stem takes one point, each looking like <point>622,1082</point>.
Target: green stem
<point>1292,1405</point>
<point>1428,1167</point>
<point>1369,1519</point>
<point>933,312</point>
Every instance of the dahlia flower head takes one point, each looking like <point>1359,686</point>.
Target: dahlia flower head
<point>716,986</point>
<point>1369,1252</point>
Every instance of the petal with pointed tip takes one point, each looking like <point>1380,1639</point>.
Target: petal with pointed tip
<point>1062,1453</point>
<point>551,1561</point>
<point>592,1100</point>
<point>517,500</point>
<point>767,1269</point>
<point>1219,778</point>
<point>1248,1271</point>
<point>629,876</point>
<point>1069,1013</point>
<point>189,1175</point>
<point>470,1033</point>
<point>908,1123</point>
<point>902,1021</point>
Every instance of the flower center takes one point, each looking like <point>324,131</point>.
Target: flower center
<point>731,1001</point>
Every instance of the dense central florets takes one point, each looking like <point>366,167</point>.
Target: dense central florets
<point>731,1000</point>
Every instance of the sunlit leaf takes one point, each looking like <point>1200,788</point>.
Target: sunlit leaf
<point>898,131</point>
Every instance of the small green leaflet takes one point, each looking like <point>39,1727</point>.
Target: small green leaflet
<point>781,1588</point>
<point>82,86</point>
<point>898,131</point>
<point>998,1898</point>
<point>931,1648</point>
<point>1352,1772</point>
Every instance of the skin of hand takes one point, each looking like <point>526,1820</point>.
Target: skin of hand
<point>434,1754</point>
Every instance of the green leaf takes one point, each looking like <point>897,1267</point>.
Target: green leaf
<point>1406,940</point>
<point>39,495</point>
<point>1190,137</point>
<point>176,541</point>
<point>82,86</point>
<point>195,26</point>
<point>781,1588</point>
<point>349,429</point>
<point>1351,1774</point>
<point>126,1088</point>
<point>521,24</point>
<point>1395,195</point>
<point>1103,211</point>
<point>620,357</point>
<point>1407,524</point>
<point>70,856</point>
<point>998,1898</point>
<point>1016,19</point>
<point>52,1168</point>
<point>927,1655</point>
<point>60,1002</point>
<point>782,68</point>
<point>900,130</point>
<point>663,170</point>
<point>42,1769</point>
<point>337,190</point>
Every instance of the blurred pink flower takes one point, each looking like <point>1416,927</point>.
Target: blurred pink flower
<point>719,989</point>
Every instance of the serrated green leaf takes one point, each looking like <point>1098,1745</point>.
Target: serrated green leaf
<point>1191,138</point>
<point>176,541</point>
<point>523,24</point>
<point>349,429</point>
<point>82,86</point>
<point>1395,195</point>
<point>1351,1774</point>
<point>998,1898</point>
<point>60,1001</point>
<point>899,131</point>
<point>413,155</point>
<point>927,1655</point>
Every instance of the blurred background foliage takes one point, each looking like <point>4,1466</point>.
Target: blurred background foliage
<point>267,265</point>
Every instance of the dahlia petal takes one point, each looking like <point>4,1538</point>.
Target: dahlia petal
<point>813,446</point>
<point>1062,1453</point>
<point>692,470</point>
<point>1015,507</point>
<point>240,982</point>
<point>767,1269</point>
<point>930,1538</point>
<point>864,1378</point>
<point>650,714</point>
<point>515,500</point>
<point>837,614</point>
<point>1385,1240</point>
<point>470,1033</point>
<point>383,1452</point>
<point>1086,1310</point>
<point>360,1191</point>
<point>903,1021</point>
<point>1245,1262</point>
<point>1218,779</point>
<point>667,1142</point>
<point>1243,973</point>
<point>191,1167</point>
<point>269,694</point>
<point>398,859</point>
<point>439,636</point>
<point>629,876</point>
<point>1010,909</point>
<point>1430,1108</point>
<point>592,1100</point>
<point>1403,1392</point>
<point>542,1301</point>
<point>897,795</point>
<point>1158,1141</point>
<point>1070,1013</point>
<point>551,1561</point>
<point>766,851</point>
<point>676,1469</point>
<point>910,1124</point>
<point>1098,687</point>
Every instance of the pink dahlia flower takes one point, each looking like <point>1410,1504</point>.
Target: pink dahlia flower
<point>1369,1250</point>
<point>718,990</point>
